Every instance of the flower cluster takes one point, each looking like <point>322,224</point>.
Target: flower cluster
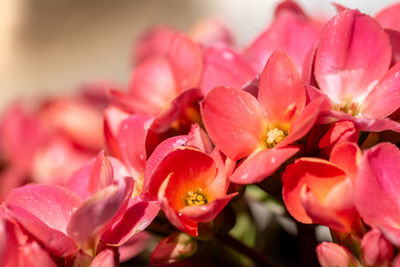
<point>307,114</point>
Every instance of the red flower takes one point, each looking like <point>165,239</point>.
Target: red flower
<point>191,187</point>
<point>240,126</point>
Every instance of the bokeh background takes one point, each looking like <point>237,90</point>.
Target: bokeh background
<point>49,47</point>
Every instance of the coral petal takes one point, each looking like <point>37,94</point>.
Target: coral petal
<point>186,59</point>
<point>353,54</point>
<point>262,164</point>
<point>280,76</point>
<point>234,121</point>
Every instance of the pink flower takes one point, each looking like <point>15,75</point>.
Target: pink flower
<point>165,86</point>
<point>291,31</point>
<point>377,251</point>
<point>240,126</point>
<point>173,248</point>
<point>334,255</point>
<point>351,68</point>
<point>377,190</point>
<point>65,221</point>
<point>320,191</point>
<point>191,187</point>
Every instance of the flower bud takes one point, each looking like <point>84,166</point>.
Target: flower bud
<point>175,247</point>
<point>334,255</point>
<point>376,249</point>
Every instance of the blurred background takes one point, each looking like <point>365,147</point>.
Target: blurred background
<point>49,47</point>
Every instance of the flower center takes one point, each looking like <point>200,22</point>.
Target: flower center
<point>195,198</point>
<point>274,136</point>
<point>348,106</point>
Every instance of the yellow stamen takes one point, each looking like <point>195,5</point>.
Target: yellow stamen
<point>195,198</point>
<point>274,136</point>
<point>348,106</point>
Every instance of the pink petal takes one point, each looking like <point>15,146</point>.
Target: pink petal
<point>308,66</point>
<point>57,242</point>
<point>113,117</point>
<point>289,6</point>
<point>131,139</point>
<point>337,210</point>
<point>376,249</point>
<point>153,42</point>
<point>53,205</point>
<point>389,17</point>
<point>159,153</point>
<point>106,258</point>
<point>303,122</point>
<point>8,243</point>
<point>180,222</point>
<point>394,37</point>
<point>175,109</point>
<point>135,245</point>
<point>347,156</point>
<point>11,178</point>
<point>280,76</point>
<point>175,247</point>
<point>102,174</point>
<point>353,54</point>
<point>20,134</point>
<point>200,139</point>
<point>377,104</point>
<point>81,121</point>
<point>321,214</point>
<point>208,212</point>
<point>378,189</point>
<point>152,86</point>
<point>57,159</point>
<point>135,219</point>
<point>222,66</point>
<point>210,31</point>
<point>320,176</point>
<point>290,32</point>
<point>79,181</point>
<point>33,255</point>
<point>331,254</point>
<point>186,61</point>
<point>89,220</point>
<point>338,132</point>
<point>364,123</point>
<point>234,121</point>
<point>262,164</point>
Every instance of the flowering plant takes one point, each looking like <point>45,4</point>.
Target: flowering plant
<point>281,152</point>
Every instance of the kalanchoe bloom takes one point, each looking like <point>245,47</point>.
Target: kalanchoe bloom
<point>169,86</point>
<point>65,222</point>
<point>177,246</point>
<point>240,126</point>
<point>334,255</point>
<point>291,31</point>
<point>319,191</point>
<point>156,40</point>
<point>377,190</point>
<point>166,86</point>
<point>351,68</point>
<point>376,249</point>
<point>191,187</point>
